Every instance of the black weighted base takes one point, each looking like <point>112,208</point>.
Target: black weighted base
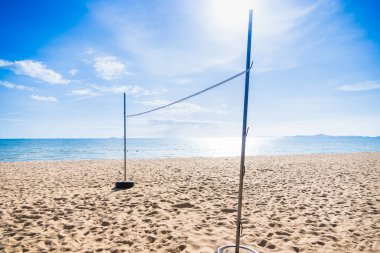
<point>124,184</point>
<point>246,249</point>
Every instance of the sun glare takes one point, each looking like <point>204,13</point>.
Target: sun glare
<point>231,15</point>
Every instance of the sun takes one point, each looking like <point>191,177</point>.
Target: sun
<point>230,15</point>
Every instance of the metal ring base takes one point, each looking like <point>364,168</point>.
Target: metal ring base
<point>220,250</point>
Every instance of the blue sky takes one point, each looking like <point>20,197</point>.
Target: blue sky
<point>65,64</point>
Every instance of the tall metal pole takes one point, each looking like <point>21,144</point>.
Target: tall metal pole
<point>125,144</point>
<point>244,134</point>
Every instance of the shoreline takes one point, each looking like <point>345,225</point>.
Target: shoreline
<point>193,157</point>
<point>297,203</point>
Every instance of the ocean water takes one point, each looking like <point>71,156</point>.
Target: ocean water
<point>85,149</point>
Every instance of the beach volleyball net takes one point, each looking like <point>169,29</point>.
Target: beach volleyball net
<point>192,95</point>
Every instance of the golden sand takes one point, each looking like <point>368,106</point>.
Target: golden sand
<point>308,203</point>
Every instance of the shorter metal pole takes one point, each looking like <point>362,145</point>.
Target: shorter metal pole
<point>125,184</point>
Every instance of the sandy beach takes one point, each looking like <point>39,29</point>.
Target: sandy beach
<point>305,203</point>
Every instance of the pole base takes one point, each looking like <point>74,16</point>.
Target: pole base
<point>124,184</point>
<point>230,248</point>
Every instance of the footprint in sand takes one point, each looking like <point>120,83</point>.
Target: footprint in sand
<point>151,239</point>
<point>68,226</point>
<point>263,243</point>
<point>296,249</point>
<point>105,223</point>
<point>183,205</point>
<point>282,233</point>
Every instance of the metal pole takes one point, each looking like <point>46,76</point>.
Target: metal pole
<point>125,144</point>
<point>244,134</point>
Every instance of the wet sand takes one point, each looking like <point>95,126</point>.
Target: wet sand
<point>306,203</point>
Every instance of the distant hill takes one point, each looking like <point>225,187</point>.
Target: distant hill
<point>334,136</point>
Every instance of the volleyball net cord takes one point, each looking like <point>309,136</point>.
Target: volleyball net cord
<point>192,95</point>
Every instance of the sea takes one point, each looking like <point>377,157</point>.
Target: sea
<point>13,150</point>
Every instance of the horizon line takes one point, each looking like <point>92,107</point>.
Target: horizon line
<point>237,137</point>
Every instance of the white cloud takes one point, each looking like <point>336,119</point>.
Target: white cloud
<point>83,92</point>
<point>90,50</point>
<point>109,67</point>
<point>10,85</point>
<point>5,63</point>
<point>184,108</point>
<point>176,109</point>
<point>132,35</point>
<point>44,99</point>
<point>73,72</point>
<point>34,69</point>
<point>116,89</point>
<point>38,70</point>
<point>156,102</point>
<point>220,30</point>
<point>129,89</point>
<point>368,85</point>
